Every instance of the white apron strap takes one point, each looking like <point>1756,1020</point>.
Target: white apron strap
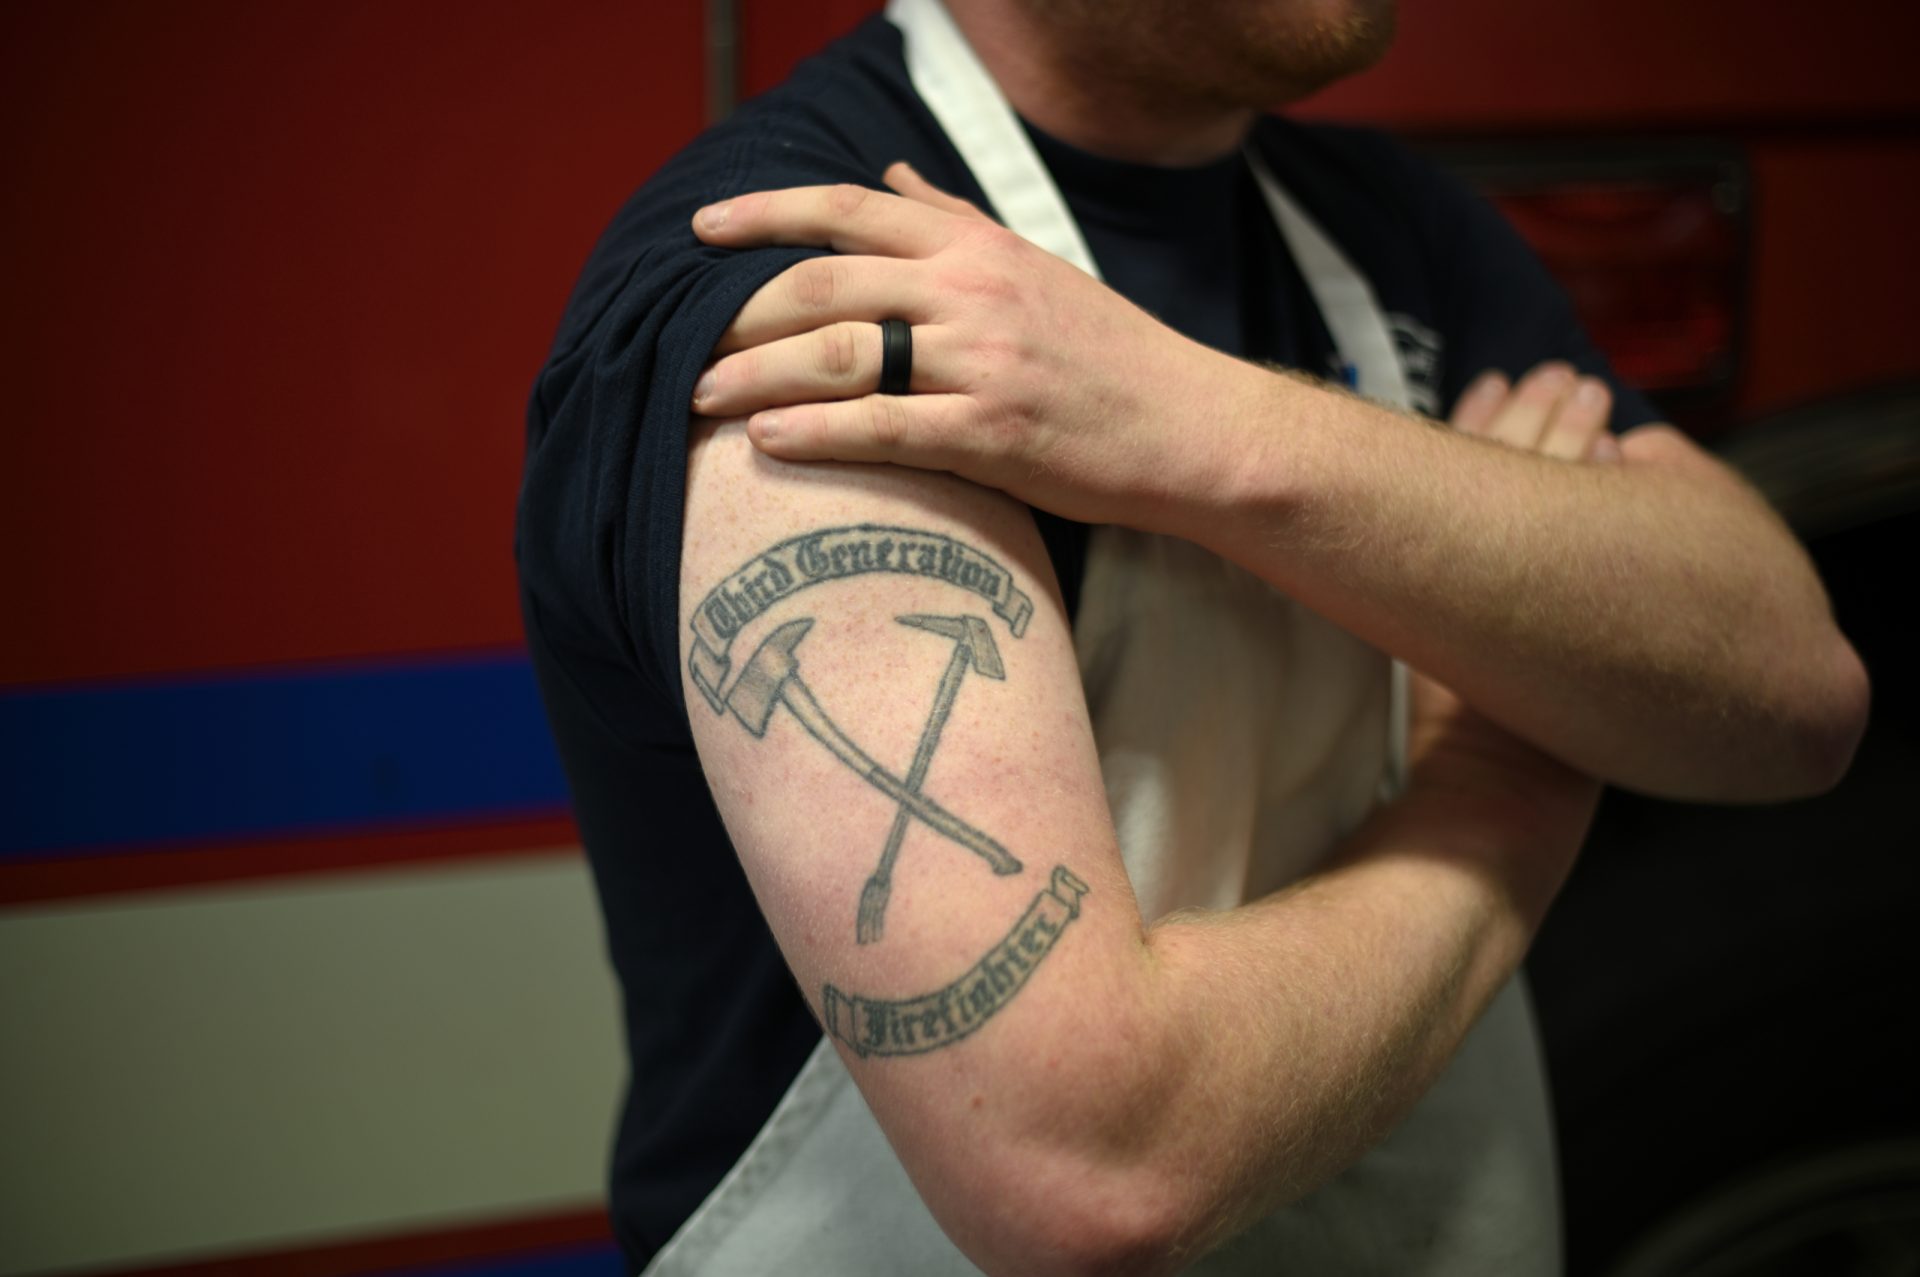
<point>1346,301</point>
<point>1359,330</point>
<point>976,118</point>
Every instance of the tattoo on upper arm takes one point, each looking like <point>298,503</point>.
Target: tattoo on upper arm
<point>771,677</point>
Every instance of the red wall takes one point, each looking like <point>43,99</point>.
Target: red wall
<point>1625,65</point>
<point>278,277</point>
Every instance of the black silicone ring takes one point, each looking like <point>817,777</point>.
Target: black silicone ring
<point>896,356</point>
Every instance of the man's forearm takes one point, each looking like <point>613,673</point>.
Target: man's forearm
<point>1276,1042</point>
<point>1651,622</point>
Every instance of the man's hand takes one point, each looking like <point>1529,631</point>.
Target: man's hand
<point>1651,622</point>
<point>1552,411</point>
<point>1028,375</point>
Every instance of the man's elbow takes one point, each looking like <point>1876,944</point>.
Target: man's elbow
<point>1061,1217</point>
<point>1092,1170</point>
<point>1794,741</point>
<point>1829,729</point>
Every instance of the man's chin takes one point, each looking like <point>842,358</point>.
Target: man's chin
<point>1291,55</point>
<point>1248,54</point>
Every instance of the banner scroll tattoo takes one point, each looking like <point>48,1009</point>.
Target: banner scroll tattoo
<point>829,555</point>
<point>941,1018</point>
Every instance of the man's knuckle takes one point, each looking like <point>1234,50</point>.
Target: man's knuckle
<point>994,238</point>
<point>948,278</point>
<point>1006,432</point>
<point>816,284</point>
<point>993,354</point>
<point>979,285</point>
<point>847,199</point>
<point>887,421</point>
<point>998,287</point>
<point>838,352</point>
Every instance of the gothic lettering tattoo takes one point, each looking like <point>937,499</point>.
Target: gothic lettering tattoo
<point>941,1018</point>
<point>828,555</point>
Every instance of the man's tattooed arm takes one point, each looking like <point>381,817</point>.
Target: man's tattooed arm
<point>884,695</point>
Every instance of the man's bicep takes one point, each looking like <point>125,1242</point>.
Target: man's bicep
<point>883,691</point>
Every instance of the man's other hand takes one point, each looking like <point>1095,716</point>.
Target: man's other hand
<point>1553,411</point>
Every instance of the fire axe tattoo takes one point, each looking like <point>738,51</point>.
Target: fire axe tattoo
<point>771,677</point>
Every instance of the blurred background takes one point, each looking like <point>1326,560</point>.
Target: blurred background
<point>300,969</point>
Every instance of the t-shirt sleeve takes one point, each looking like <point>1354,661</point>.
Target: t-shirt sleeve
<point>605,480</point>
<point>1504,310</point>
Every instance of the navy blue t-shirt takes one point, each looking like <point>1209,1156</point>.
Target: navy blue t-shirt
<point>716,1026</point>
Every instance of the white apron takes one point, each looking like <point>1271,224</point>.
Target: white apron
<point>1240,737</point>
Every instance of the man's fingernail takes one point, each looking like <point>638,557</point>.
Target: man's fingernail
<point>704,387</point>
<point>1606,448</point>
<point>714,216</point>
<point>767,424</point>
<point>1590,392</point>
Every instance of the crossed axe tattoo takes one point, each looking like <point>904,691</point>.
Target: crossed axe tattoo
<point>771,677</point>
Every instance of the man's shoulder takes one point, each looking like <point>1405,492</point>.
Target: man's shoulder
<point>598,531</point>
<point>842,116</point>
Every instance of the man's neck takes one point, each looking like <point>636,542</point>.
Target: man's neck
<point>1072,99</point>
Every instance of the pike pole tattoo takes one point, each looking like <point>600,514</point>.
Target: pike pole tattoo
<point>771,678</point>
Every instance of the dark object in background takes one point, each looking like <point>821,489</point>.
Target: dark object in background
<point>1727,993</point>
<point>1650,239</point>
